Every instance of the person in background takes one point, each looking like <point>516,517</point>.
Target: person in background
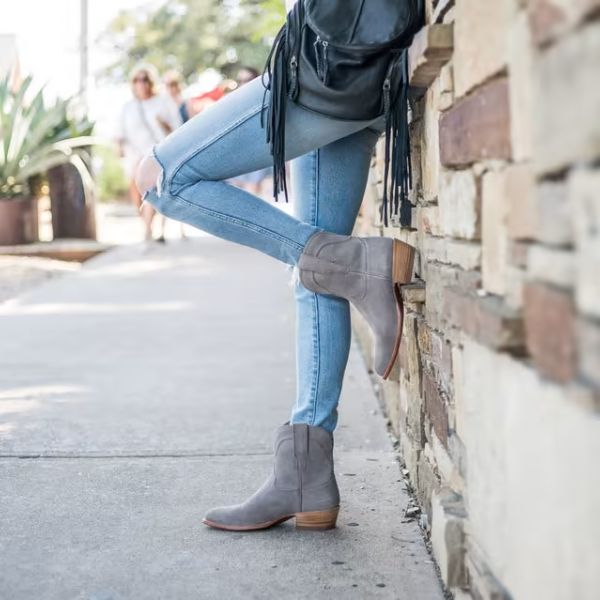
<point>145,120</point>
<point>246,75</point>
<point>173,82</point>
<point>251,182</point>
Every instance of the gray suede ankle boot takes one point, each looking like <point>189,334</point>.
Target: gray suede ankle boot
<point>367,271</point>
<point>301,485</point>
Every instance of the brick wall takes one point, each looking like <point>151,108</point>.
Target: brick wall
<point>495,399</point>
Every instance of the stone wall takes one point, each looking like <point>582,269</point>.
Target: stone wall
<point>495,399</point>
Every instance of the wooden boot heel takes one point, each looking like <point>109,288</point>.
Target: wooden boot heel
<point>318,519</point>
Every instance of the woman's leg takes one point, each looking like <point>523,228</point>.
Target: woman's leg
<point>328,185</point>
<point>227,140</point>
<point>146,211</point>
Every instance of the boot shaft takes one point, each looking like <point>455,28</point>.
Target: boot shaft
<point>304,461</point>
<point>342,265</point>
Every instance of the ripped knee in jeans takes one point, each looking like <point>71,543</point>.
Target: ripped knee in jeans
<point>149,174</point>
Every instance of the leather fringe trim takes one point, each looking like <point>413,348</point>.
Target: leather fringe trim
<point>275,70</point>
<point>397,178</point>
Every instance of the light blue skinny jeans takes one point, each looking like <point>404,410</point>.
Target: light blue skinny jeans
<point>329,169</point>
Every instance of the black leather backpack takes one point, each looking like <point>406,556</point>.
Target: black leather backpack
<point>347,59</point>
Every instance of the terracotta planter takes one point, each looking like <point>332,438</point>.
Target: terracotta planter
<point>71,216</point>
<point>18,221</point>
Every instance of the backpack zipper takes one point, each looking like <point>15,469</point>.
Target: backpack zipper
<point>293,77</point>
<point>321,58</point>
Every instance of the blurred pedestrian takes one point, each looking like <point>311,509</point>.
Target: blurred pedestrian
<point>174,85</point>
<point>145,120</point>
<point>251,182</point>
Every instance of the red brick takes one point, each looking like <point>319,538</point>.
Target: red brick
<point>477,127</point>
<point>435,407</point>
<point>550,331</point>
<point>549,19</point>
<point>545,18</point>
<point>485,318</point>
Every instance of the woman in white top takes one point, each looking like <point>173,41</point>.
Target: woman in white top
<point>145,120</point>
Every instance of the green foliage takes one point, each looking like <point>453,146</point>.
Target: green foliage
<point>34,138</point>
<point>110,178</point>
<point>192,35</point>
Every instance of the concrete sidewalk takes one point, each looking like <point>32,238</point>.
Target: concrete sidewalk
<point>144,389</point>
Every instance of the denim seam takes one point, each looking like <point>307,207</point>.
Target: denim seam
<point>215,138</point>
<point>246,224</point>
<point>316,360</point>
<point>316,332</point>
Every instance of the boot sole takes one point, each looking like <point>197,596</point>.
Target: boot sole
<point>403,258</point>
<point>318,519</point>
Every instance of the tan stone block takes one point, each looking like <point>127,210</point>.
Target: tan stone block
<point>413,293</point>
<point>446,87</point>
<point>523,433</point>
<point>520,70</point>
<point>480,41</point>
<point>520,193</point>
<point>447,79</point>
<point>439,278</point>
<point>494,211</point>
<point>429,52</point>
<point>588,347</point>
<point>584,195</point>
<point>483,584</point>
<point>443,461</point>
<point>439,362</point>
<point>459,402</point>
<point>448,518</point>
<point>459,208</point>
<point>427,482</point>
<point>413,358</point>
<point>519,254</point>
<point>566,123</point>
<point>430,144</point>
<point>466,255</point>
<point>428,220</point>
<point>515,280</point>
<point>553,214</point>
<point>552,265</point>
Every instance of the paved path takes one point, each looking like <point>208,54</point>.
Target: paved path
<point>145,388</point>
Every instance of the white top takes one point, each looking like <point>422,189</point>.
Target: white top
<point>289,4</point>
<point>142,124</point>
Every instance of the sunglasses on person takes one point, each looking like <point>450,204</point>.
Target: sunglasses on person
<point>143,79</point>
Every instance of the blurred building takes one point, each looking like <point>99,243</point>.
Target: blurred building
<point>496,399</point>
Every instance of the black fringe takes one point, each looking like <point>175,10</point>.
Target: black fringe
<point>397,146</point>
<point>398,173</point>
<point>277,85</point>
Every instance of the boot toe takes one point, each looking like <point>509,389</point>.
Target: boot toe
<point>216,515</point>
<point>223,516</point>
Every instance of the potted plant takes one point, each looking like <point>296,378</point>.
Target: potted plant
<point>33,139</point>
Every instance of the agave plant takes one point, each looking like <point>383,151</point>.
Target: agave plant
<point>34,138</point>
